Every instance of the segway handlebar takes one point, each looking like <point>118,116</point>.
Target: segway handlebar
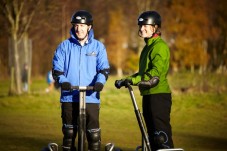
<point>69,87</point>
<point>82,88</point>
<point>126,83</point>
<point>121,83</point>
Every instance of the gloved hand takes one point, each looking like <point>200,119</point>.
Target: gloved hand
<point>123,82</point>
<point>143,85</point>
<point>119,83</point>
<point>66,86</point>
<point>98,86</point>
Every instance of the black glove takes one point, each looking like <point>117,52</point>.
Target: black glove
<point>123,82</point>
<point>66,86</point>
<point>119,83</point>
<point>143,85</point>
<point>98,86</point>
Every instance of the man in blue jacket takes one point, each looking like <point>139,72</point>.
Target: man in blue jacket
<point>81,60</point>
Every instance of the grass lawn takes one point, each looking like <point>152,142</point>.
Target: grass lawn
<point>199,115</point>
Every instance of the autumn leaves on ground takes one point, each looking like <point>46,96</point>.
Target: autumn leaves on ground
<point>199,116</point>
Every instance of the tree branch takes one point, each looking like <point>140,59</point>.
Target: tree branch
<point>27,25</point>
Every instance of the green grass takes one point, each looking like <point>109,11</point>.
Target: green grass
<point>199,115</point>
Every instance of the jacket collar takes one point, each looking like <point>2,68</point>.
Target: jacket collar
<point>149,41</point>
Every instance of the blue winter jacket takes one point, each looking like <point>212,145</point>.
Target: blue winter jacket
<point>81,66</point>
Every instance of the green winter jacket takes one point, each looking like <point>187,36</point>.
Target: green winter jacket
<point>154,61</point>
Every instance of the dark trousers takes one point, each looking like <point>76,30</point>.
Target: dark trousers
<point>70,112</point>
<point>156,112</point>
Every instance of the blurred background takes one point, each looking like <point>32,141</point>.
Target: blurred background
<point>195,31</point>
<point>30,31</point>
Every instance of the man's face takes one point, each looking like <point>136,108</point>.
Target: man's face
<point>146,31</point>
<point>82,31</point>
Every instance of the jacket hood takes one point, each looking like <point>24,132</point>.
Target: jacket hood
<point>90,35</point>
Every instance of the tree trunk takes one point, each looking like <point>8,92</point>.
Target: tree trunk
<point>15,86</point>
<point>119,72</point>
<point>26,57</point>
<point>12,90</point>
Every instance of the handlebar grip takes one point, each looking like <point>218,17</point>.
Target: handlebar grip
<point>66,86</point>
<point>121,83</point>
<point>82,88</point>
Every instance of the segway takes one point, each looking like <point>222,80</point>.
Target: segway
<point>82,115</point>
<point>51,147</point>
<point>145,141</point>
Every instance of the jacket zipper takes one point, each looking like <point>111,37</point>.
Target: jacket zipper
<point>80,64</point>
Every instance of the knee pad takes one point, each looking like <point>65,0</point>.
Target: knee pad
<point>94,139</point>
<point>69,136</point>
<point>160,139</point>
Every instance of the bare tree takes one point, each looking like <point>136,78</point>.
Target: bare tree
<point>19,22</point>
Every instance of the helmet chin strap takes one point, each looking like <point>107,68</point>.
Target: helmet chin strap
<point>154,33</point>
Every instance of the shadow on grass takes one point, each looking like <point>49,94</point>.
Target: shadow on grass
<point>3,96</point>
<point>16,143</point>
<point>192,141</point>
<point>23,143</point>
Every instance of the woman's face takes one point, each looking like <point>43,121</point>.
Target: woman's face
<point>146,31</point>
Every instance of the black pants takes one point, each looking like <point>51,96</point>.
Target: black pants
<point>70,112</point>
<point>156,112</point>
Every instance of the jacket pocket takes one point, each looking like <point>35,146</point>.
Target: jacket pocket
<point>91,54</point>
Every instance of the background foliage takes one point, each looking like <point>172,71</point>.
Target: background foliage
<point>195,31</point>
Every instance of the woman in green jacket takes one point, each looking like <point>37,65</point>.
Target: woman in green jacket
<point>152,81</point>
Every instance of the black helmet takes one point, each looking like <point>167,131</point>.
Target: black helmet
<point>149,18</point>
<point>82,17</point>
